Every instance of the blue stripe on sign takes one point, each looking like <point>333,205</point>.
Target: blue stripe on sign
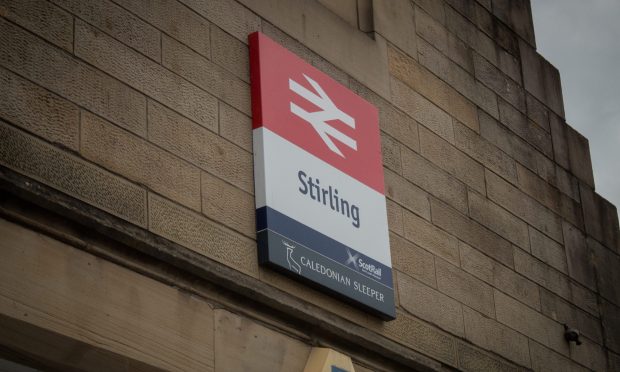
<point>270,218</point>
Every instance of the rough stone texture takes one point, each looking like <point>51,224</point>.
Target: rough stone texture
<point>43,18</point>
<point>235,126</point>
<point>230,53</point>
<point>119,23</point>
<point>200,147</point>
<point>590,355</point>
<point>430,305</point>
<point>548,251</point>
<point>542,274</point>
<point>391,153</point>
<point>610,316</point>
<point>585,299</point>
<point>600,218</point>
<point>491,335</point>
<point>205,74</point>
<point>438,183</point>
<point>499,276</point>
<point>578,256</point>
<point>406,194</point>
<point>393,20</point>
<point>498,219</point>
<point>422,110</point>
<point>80,83</point>
<point>228,204</point>
<point>530,322</point>
<point>230,16</point>
<point>197,233</point>
<point>523,206</point>
<point>579,156</point>
<point>431,238</point>
<point>37,110</point>
<point>484,152</point>
<point>395,217</point>
<point>607,274</point>
<point>520,125</point>
<point>471,232</point>
<point>450,159</point>
<point>517,14</point>
<point>412,260</point>
<point>345,9</point>
<point>144,75</point>
<point>69,174</point>
<point>140,161</point>
<point>474,360</point>
<point>464,287</point>
<point>505,87</point>
<point>175,20</point>
<point>243,345</point>
<point>537,112</point>
<point>423,337</point>
<point>544,359</point>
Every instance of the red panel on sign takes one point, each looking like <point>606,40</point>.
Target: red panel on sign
<point>308,108</point>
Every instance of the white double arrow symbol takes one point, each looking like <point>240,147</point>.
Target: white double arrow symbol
<point>319,119</point>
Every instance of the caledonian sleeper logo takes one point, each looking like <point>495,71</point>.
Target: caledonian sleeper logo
<point>320,204</point>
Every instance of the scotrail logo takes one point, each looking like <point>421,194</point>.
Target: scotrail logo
<point>359,265</point>
<point>328,112</point>
<point>352,260</point>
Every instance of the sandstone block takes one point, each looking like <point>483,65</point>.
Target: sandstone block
<point>412,260</point>
<point>134,158</point>
<point>347,9</point>
<point>429,237</point>
<point>395,217</point>
<point>230,16</point>
<point>453,161</point>
<point>589,354</point>
<point>471,232</point>
<point>544,359</point>
<point>541,79</point>
<point>438,308</point>
<point>201,235</point>
<point>437,182</point>
<point>585,299</point>
<point>71,175</point>
<point>610,315</point>
<point>192,31</point>
<point>474,360</point>
<point>505,87</point>
<point>578,256</point>
<point>518,16</point>
<point>542,274</point>
<point>406,194</point>
<point>559,135</point>
<point>391,153</point>
<point>145,75</point>
<point>43,18</point>
<point>465,288</point>
<point>548,251</point>
<point>200,146</point>
<point>394,21</point>
<point>579,156</point>
<point>55,70</point>
<point>524,128</point>
<point>600,218</point>
<point>38,110</point>
<point>235,126</point>
<point>606,264</point>
<point>537,112</point>
<point>494,336</point>
<point>230,53</point>
<point>530,322</point>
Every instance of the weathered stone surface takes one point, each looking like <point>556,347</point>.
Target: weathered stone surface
<point>544,359</point>
<point>243,345</point>
<point>524,128</point>
<point>395,217</point>
<point>530,322</point>
<point>391,153</point>
<point>579,257</point>
<point>563,312</point>
<point>491,335</point>
<point>610,316</point>
<point>579,156</point>
<point>430,305</point>
<point>140,161</point>
<point>505,87</point>
<point>406,194</point>
<point>471,35</point>
<point>201,235</point>
<point>429,237</point>
<point>517,14</point>
<point>119,23</point>
<point>68,77</point>
<point>345,9</point>
<point>538,113</point>
<point>144,75</point>
<point>498,219</point>
<point>235,126</point>
<point>230,53</point>
<point>412,260</point>
<point>41,17</point>
<point>437,182</point>
<point>422,110</point>
<point>227,204</point>
<point>394,21</point>
<point>200,146</point>
<point>606,264</point>
<point>471,232</point>
<point>523,206</point>
<point>542,274</point>
<point>175,20</point>
<point>600,218</point>
<point>589,354</point>
<point>38,110</point>
<point>483,151</point>
<point>585,299</point>
<point>464,287</point>
<point>450,159</point>
<point>499,276</point>
<point>474,360</point>
<point>547,250</point>
<point>70,174</point>
<point>230,16</point>
<point>423,337</point>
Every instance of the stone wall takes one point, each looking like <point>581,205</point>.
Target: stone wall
<point>127,189</point>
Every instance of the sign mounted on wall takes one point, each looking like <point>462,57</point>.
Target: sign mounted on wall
<point>320,204</point>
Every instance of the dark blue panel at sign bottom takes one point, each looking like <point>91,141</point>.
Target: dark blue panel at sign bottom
<point>269,218</point>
